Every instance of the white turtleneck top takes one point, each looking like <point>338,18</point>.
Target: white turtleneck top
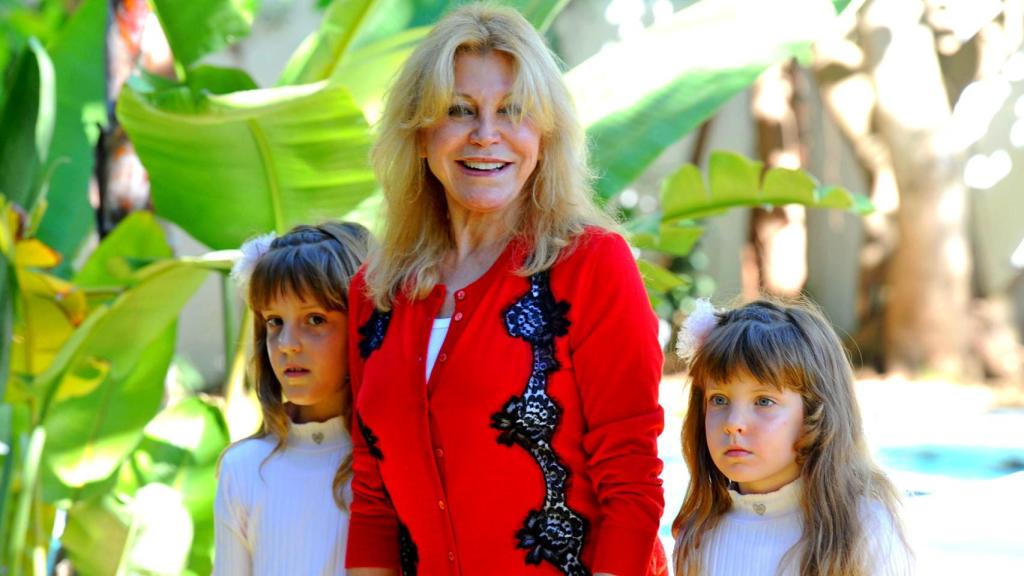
<point>282,518</point>
<point>753,537</point>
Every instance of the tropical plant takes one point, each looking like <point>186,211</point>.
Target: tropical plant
<point>90,443</point>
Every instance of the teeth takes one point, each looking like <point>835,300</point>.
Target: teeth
<point>484,165</point>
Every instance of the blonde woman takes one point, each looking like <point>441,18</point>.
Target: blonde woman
<point>504,354</point>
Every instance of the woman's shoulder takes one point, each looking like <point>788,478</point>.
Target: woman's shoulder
<point>597,245</point>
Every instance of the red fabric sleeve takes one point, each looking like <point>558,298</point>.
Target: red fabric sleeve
<point>618,362</point>
<point>373,524</point>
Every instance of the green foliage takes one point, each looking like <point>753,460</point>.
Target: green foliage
<point>199,27</point>
<point>26,124</point>
<point>81,410</point>
<point>733,181</point>
<point>282,156</point>
<point>640,96</point>
<point>78,60</point>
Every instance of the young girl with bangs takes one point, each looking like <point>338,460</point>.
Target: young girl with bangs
<point>282,494</point>
<point>782,483</point>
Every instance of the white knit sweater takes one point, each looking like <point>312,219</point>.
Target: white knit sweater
<point>282,518</point>
<point>754,536</point>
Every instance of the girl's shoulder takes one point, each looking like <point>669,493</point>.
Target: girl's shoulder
<point>886,544</point>
<point>246,455</point>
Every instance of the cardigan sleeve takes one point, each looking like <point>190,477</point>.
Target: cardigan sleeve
<point>373,524</point>
<point>231,517</point>
<point>618,362</point>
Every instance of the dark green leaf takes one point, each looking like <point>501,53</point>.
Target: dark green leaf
<point>78,59</point>
<point>26,125</point>
<point>204,80</point>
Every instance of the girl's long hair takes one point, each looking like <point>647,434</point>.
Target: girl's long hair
<point>315,263</point>
<point>788,346</point>
<point>555,204</point>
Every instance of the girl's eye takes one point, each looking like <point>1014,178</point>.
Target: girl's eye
<point>459,111</point>
<point>273,322</point>
<point>764,401</point>
<point>317,319</point>
<point>717,400</point>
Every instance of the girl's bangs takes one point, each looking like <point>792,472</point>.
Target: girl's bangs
<point>293,270</point>
<point>765,354</point>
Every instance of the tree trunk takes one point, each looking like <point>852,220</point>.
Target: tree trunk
<point>926,322</point>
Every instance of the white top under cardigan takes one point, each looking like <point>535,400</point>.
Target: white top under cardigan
<point>282,519</point>
<point>752,538</point>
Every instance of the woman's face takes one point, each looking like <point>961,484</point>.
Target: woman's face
<point>478,152</point>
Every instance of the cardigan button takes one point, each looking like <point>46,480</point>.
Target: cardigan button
<point>458,316</point>
<point>451,556</point>
<point>440,504</point>
<point>442,358</point>
<point>439,452</point>
<point>461,294</point>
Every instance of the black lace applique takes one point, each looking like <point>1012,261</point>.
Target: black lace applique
<point>554,533</point>
<point>408,555</point>
<point>373,332</point>
<point>370,438</point>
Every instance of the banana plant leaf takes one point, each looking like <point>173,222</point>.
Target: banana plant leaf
<point>641,95</point>
<point>136,242</point>
<point>78,60</point>
<point>736,181</point>
<point>245,163</point>
<point>198,27</point>
<point>107,382</point>
<point>26,125</point>
<point>321,51</point>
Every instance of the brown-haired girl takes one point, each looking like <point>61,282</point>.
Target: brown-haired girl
<point>281,505</point>
<point>781,479</point>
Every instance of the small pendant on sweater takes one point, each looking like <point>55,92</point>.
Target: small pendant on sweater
<point>318,437</point>
<point>758,507</point>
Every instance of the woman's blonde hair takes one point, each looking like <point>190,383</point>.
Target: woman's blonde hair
<point>315,263</point>
<point>556,204</point>
<point>792,346</point>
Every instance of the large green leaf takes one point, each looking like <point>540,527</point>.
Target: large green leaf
<point>111,383</point>
<point>78,59</point>
<point>26,125</point>
<point>322,50</point>
<point>245,163</point>
<point>195,28</point>
<point>137,241</point>
<point>641,95</point>
<point>736,181</point>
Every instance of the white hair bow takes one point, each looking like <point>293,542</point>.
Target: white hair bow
<point>252,250</point>
<point>696,328</point>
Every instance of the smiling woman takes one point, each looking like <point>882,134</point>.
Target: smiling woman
<point>503,352</point>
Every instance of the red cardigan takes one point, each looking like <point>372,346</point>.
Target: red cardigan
<point>532,448</point>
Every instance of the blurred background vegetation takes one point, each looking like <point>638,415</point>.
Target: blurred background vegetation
<point>865,153</point>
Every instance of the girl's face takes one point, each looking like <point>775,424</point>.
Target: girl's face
<point>306,345</point>
<point>751,431</point>
<point>479,153</point>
